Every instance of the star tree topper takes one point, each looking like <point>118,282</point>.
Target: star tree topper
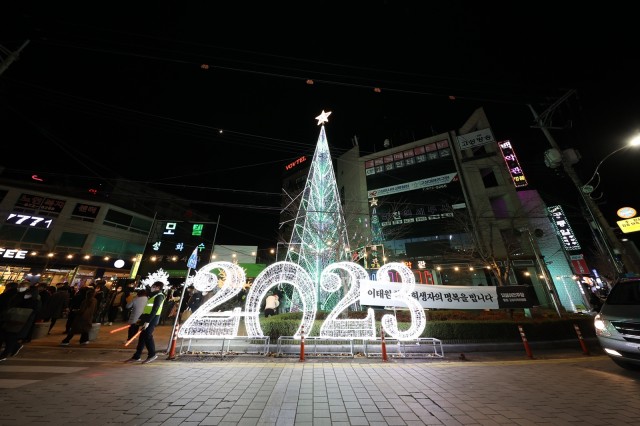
<point>323,118</point>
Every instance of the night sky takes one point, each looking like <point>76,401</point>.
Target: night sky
<point>211,102</point>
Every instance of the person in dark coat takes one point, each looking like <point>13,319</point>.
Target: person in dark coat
<point>10,290</point>
<point>74,306</point>
<point>27,297</point>
<point>83,320</point>
<point>58,304</point>
<point>102,294</point>
<point>116,303</point>
<point>41,315</point>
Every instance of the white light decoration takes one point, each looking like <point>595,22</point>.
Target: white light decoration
<point>333,326</point>
<point>159,275</point>
<point>309,275</point>
<point>203,322</point>
<point>271,276</point>
<point>418,318</point>
<point>118,263</point>
<point>319,233</point>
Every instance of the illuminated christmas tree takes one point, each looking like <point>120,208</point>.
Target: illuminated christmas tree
<point>319,235</point>
<point>376,229</point>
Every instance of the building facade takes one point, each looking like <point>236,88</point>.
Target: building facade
<point>65,231</point>
<point>455,207</point>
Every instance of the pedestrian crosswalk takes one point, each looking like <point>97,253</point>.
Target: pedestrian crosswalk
<point>17,374</point>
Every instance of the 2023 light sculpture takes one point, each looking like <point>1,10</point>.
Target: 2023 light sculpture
<point>331,281</point>
<point>204,323</point>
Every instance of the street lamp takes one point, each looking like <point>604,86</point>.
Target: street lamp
<point>587,188</point>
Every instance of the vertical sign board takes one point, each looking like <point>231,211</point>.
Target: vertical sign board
<point>171,243</point>
<point>513,165</point>
<point>563,229</point>
<point>579,264</point>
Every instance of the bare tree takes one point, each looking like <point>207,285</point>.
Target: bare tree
<point>493,241</point>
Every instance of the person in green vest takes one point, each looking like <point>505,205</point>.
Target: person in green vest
<point>149,319</point>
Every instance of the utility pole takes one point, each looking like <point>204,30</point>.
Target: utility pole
<point>598,221</point>
<point>11,56</point>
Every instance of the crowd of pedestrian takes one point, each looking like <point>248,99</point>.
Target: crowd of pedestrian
<point>25,305</point>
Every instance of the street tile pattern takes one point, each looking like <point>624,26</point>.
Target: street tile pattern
<point>572,391</point>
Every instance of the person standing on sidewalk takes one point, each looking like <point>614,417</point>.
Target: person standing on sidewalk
<point>58,304</point>
<point>83,320</point>
<point>74,306</point>
<point>117,302</point>
<point>149,319</point>
<point>137,305</point>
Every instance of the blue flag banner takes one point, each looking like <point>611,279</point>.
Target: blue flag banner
<point>193,259</point>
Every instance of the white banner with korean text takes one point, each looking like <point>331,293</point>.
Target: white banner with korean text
<point>375,293</point>
<point>473,139</point>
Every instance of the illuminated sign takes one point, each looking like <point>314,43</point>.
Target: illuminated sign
<point>171,242</point>
<point>563,229</point>
<point>296,163</point>
<point>28,220</point>
<point>85,210</point>
<point>408,157</point>
<point>37,202</point>
<point>629,225</point>
<point>13,254</point>
<point>626,212</point>
<point>513,164</point>
<point>579,264</point>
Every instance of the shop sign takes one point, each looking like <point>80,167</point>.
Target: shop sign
<point>28,220</point>
<point>629,225</point>
<point>473,139</point>
<point>13,254</point>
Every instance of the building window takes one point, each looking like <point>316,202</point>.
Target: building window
<point>488,178</point>
<point>72,239</point>
<point>36,236</point>
<point>512,241</point>
<point>11,233</point>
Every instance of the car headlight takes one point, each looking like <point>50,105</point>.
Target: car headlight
<point>601,325</point>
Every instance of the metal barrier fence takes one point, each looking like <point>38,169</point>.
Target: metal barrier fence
<point>424,347</point>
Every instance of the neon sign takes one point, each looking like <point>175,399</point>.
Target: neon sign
<point>296,163</point>
<point>513,164</point>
